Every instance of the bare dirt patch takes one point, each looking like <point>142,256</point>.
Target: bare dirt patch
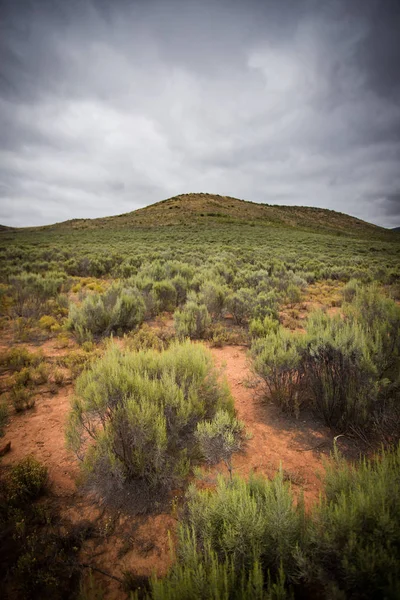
<point>299,446</point>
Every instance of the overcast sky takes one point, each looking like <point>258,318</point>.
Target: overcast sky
<point>109,105</point>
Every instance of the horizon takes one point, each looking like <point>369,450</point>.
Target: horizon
<point>108,108</point>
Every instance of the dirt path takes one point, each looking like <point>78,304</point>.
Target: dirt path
<point>298,445</point>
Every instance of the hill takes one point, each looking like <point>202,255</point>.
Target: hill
<point>197,209</point>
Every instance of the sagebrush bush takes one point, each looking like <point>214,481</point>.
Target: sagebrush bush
<point>213,295</point>
<point>241,304</point>
<point>31,292</point>
<point>259,328</point>
<point>19,357</point>
<point>192,320</point>
<point>252,540</point>
<point>117,309</point>
<point>339,375</point>
<point>145,339</point>
<point>355,536</point>
<point>28,480</point>
<point>22,398</point>
<point>379,317</point>
<point>165,294</point>
<point>3,417</point>
<point>141,410</point>
<point>277,359</point>
<point>238,541</point>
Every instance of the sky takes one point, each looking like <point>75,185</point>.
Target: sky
<point>108,106</point>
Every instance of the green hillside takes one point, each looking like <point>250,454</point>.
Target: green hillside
<point>210,208</point>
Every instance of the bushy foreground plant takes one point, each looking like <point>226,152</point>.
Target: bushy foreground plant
<point>277,359</point>
<point>39,549</point>
<point>251,540</point>
<point>339,375</point>
<point>135,416</point>
<point>117,309</point>
<point>345,368</point>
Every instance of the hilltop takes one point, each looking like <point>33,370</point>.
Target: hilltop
<point>198,209</point>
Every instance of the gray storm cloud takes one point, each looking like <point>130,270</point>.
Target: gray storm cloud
<point>107,107</point>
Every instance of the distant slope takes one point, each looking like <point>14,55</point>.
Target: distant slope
<point>210,208</point>
<point>395,229</point>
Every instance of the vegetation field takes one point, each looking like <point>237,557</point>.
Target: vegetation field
<point>200,399</point>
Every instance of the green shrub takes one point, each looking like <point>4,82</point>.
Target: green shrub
<point>31,292</point>
<point>3,417</point>
<point>22,398</point>
<point>259,328</point>
<point>145,339</point>
<point>251,540</point>
<point>339,374</point>
<point>28,480</point>
<point>266,305</point>
<point>292,294</point>
<point>277,359</point>
<point>220,438</point>
<point>355,541</point>
<point>379,317</point>
<point>141,410</point>
<point>232,538</point>
<point>165,294</point>
<point>241,304</point>
<point>117,309</point>
<point>192,320</point>
<point>213,295</point>
<point>19,357</point>
<point>181,287</point>
<point>350,290</point>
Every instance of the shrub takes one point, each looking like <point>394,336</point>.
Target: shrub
<point>379,317</point>
<point>292,294</point>
<point>31,292</point>
<point>49,323</point>
<point>259,328</point>
<point>250,540</point>
<point>28,481</point>
<point>350,290</point>
<point>339,374</point>
<point>165,294</point>
<point>213,295</point>
<point>17,358</point>
<point>266,305</point>
<point>101,314</point>
<point>145,339</point>
<point>40,374</point>
<point>141,410</point>
<point>22,398</point>
<point>181,287</point>
<point>220,438</point>
<point>58,377</point>
<point>355,549</point>
<point>3,417</point>
<point>277,359</point>
<point>231,538</point>
<point>240,304</point>
<point>192,320</point>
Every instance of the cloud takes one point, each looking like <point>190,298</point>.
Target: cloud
<point>107,107</point>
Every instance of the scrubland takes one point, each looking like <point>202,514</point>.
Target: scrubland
<point>200,410</point>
